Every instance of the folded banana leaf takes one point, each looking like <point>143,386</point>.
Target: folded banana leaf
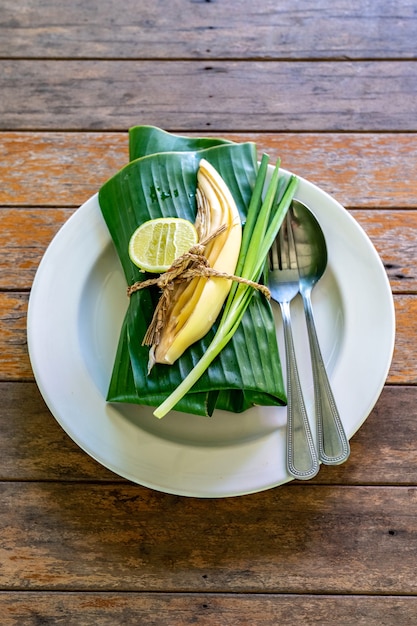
<point>160,181</point>
<point>144,140</point>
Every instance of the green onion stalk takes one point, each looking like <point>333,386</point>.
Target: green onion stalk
<point>264,218</point>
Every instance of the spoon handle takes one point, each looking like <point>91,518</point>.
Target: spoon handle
<point>333,444</point>
<point>302,460</point>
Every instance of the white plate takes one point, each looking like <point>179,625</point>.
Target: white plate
<point>80,288</point>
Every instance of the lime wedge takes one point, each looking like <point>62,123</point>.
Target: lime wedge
<point>155,244</point>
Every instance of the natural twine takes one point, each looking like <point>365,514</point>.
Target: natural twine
<point>189,265</point>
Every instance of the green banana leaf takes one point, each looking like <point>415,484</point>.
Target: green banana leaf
<point>160,181</point>
<point>144,140</point>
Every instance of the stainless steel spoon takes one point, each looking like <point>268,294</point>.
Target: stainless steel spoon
<point>332,442</point>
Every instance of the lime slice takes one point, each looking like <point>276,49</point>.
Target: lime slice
<point>157,243</point>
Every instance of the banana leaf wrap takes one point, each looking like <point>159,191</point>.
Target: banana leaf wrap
<point>160,181</point>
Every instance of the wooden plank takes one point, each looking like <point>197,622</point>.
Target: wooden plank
<point>14,358</point>
<point>58,169</point>
<point>239,95</point>
<point>205,609</point>
<point>34,447</point>
<point>24,237</point>
<point>320,539</point>
<point>383,450</point>
<point>65,169</point>
<point>404,361</point>
<point>392,233</point>
<point>201,29</point>
<point>15,365</point>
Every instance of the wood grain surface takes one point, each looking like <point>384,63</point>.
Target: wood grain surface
<point>128,542</point>
<point>329,89</point>
<point>56,169</point>
<point>194,29</point>
<point>186,609</point>
<point>284,96</point>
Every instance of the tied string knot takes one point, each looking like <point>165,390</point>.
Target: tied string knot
<point>191,264</point>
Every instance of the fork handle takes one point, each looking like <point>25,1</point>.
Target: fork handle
<point>333,444</point>
<point>302,460</point>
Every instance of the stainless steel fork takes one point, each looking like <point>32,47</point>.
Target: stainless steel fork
<point>283,283</point>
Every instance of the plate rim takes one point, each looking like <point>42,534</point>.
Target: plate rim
<point>224,489</point>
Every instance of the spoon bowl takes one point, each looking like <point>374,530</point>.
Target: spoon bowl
<point>310,243</point>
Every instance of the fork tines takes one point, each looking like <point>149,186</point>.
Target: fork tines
<point>282,254</point>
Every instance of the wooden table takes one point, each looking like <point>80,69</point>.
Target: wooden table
<point>331,88</point>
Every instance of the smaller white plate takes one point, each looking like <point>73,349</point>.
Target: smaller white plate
<point>76,308</point>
